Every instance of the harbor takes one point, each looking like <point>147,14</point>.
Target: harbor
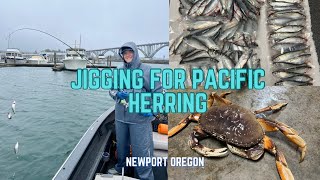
<point>76,58</point>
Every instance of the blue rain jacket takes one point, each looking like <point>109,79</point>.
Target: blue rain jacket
<point>122,113</point>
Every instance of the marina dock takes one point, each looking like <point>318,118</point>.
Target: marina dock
<point>88,65</point>
<point>52,65</point>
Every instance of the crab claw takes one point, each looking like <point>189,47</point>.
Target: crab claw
<point>199,148</point>
<point>289,132</point>
<point>282,166</point>
<point>293,136</point>
<point>301,143</point>
<point>207,152</point>
<point>253,153</point>
<point>303,152</point>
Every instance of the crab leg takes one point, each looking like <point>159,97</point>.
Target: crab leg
<point>281,163</point>
<point>194,144</point>
<point>220,99</point>
<point>183,123</point>
<point>273,108</point>
<point>288,131</point>
<point>223,95</point>
<point>266,126</point>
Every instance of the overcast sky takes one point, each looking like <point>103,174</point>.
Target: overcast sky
<point>101,23</point>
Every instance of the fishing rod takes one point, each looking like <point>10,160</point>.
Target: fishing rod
<point>32,29</point>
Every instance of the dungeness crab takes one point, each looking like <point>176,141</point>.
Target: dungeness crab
<point>242,130</point>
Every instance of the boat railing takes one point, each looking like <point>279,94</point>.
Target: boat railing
<point>69,165</point>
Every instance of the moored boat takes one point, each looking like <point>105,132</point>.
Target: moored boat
<point>75,59</point>
<point>37,59</point>
<point>14,56</point>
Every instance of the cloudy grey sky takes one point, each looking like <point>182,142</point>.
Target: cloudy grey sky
<point>101,23</point>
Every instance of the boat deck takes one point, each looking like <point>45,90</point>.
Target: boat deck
<point>114,177</point>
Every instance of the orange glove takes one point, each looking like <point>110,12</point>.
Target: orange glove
<point>163,128</point>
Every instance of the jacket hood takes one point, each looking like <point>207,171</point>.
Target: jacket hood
<point>135,63</point>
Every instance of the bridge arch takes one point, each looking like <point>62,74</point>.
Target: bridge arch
<point>157,50</point>
<point>143,52</point>
<point>146,50</point>
<point>115,53</point>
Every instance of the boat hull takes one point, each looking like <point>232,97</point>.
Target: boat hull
<point>36,62</point>
<point>74,64</point>
<point>17,61</point>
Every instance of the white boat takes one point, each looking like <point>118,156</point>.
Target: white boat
<point>75,59</point>
<point>14,56</point>
<point>37,59</point>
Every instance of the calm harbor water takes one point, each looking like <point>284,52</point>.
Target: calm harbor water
<point>49,121</point>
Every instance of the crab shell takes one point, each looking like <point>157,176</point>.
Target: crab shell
<point>232,124</point>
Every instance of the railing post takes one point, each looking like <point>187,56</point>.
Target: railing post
<point>54,59</point>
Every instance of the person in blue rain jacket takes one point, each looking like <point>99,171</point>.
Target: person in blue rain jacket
<point>133,128</point>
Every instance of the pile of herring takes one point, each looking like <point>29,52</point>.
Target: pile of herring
<point>288,41</point>
<point>222,34</point>
<point>218,34</point>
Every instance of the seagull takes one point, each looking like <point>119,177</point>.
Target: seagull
<point>16,148</point>
<point>13,107</point>
<point>9,115</point>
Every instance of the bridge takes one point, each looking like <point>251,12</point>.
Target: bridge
<point>148,50</point>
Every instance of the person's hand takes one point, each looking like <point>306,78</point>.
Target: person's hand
<point>122,95</point>
<point>146,114</point>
